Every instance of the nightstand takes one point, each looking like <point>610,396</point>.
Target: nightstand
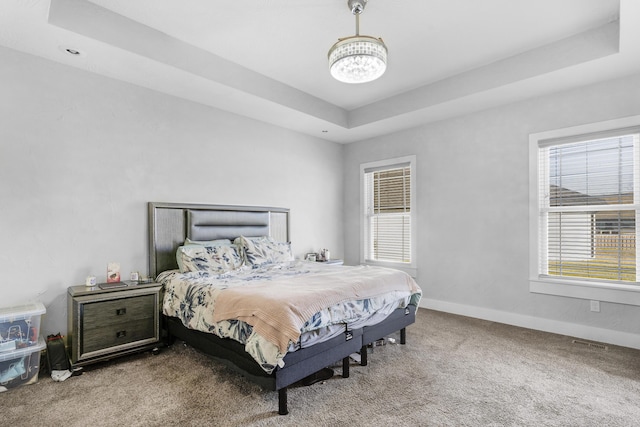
<point>106,323</point>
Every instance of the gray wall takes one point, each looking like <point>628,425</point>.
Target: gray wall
<point>81,155</point>
<point>473,211</point>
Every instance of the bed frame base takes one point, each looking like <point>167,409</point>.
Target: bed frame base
<point>397,321</point>
<point>299,364</point>
<point>282,402</point>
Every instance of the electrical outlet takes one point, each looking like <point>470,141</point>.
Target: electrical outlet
<point>595,306</point>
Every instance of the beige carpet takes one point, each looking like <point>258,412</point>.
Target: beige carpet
<point>454,371</point>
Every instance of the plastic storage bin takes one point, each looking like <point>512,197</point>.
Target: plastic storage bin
<point>20,326</point>
<point>20,367</point>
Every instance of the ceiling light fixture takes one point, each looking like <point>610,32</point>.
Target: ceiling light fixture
<point>358,59</point>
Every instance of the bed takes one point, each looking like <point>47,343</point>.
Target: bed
<point>273,355</point>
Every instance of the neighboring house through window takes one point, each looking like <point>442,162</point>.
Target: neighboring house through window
<point>585,207</point>
<point>389,209</point>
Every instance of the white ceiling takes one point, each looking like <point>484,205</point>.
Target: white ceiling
<point>267,59</point>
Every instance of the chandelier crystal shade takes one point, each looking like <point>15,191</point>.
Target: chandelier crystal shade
<point>358,59</point>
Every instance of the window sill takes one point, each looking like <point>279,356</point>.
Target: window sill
<point>616,293</point>
<point>410,270</point>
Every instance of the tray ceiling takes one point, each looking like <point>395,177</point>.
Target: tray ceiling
<point>266,59</point>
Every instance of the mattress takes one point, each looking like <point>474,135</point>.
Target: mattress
<point>192,297</point>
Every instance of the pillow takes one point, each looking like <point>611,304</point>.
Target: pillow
<point>216,259</point>
<point>259,251</point>
<point>219,242</point>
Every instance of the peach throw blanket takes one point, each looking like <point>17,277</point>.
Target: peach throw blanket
<point>277,310</point>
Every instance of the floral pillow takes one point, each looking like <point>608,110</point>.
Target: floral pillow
<point>260,251</point>
<point>216,259</point>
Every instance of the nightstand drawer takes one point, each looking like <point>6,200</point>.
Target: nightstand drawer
<point>97,315</point>
<point>107,336</point>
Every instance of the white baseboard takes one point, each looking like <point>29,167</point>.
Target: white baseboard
<point>590,333</point>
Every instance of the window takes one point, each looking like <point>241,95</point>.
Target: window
<point>585,207</point>
<point>388,205</point>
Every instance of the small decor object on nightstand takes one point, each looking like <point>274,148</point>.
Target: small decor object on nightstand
<point>113,272</point>
<point>90,281</point>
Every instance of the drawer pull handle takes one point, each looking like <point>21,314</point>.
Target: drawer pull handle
<point>121,334</point>
<point>121,311</point>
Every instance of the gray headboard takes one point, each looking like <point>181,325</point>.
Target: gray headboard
<point>171,223</point>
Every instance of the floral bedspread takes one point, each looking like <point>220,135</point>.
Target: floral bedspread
<point>191,297</point>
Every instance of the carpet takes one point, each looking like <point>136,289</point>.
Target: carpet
<point>453,371</point>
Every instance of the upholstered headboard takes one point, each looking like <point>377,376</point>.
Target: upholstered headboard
<point>171,223</point>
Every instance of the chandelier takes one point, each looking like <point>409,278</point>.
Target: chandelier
<point>358,59</point>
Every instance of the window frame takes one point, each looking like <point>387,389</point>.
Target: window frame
<point>590,289</point>
<point>410,268</point>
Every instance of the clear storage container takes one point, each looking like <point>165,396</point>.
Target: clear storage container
<point>20,367</point>
<point>20,326</point>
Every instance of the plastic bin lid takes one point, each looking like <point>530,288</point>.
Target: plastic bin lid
<point>24,351</point>
<point>20,312</point>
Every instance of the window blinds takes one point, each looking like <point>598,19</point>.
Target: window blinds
<point>589,208</point>
<point>388,196</point>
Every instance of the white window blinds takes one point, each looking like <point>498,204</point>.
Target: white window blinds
<point>388,213</point>
<point>588,199</point>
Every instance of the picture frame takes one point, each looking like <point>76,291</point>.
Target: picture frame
<point>113,272</point>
